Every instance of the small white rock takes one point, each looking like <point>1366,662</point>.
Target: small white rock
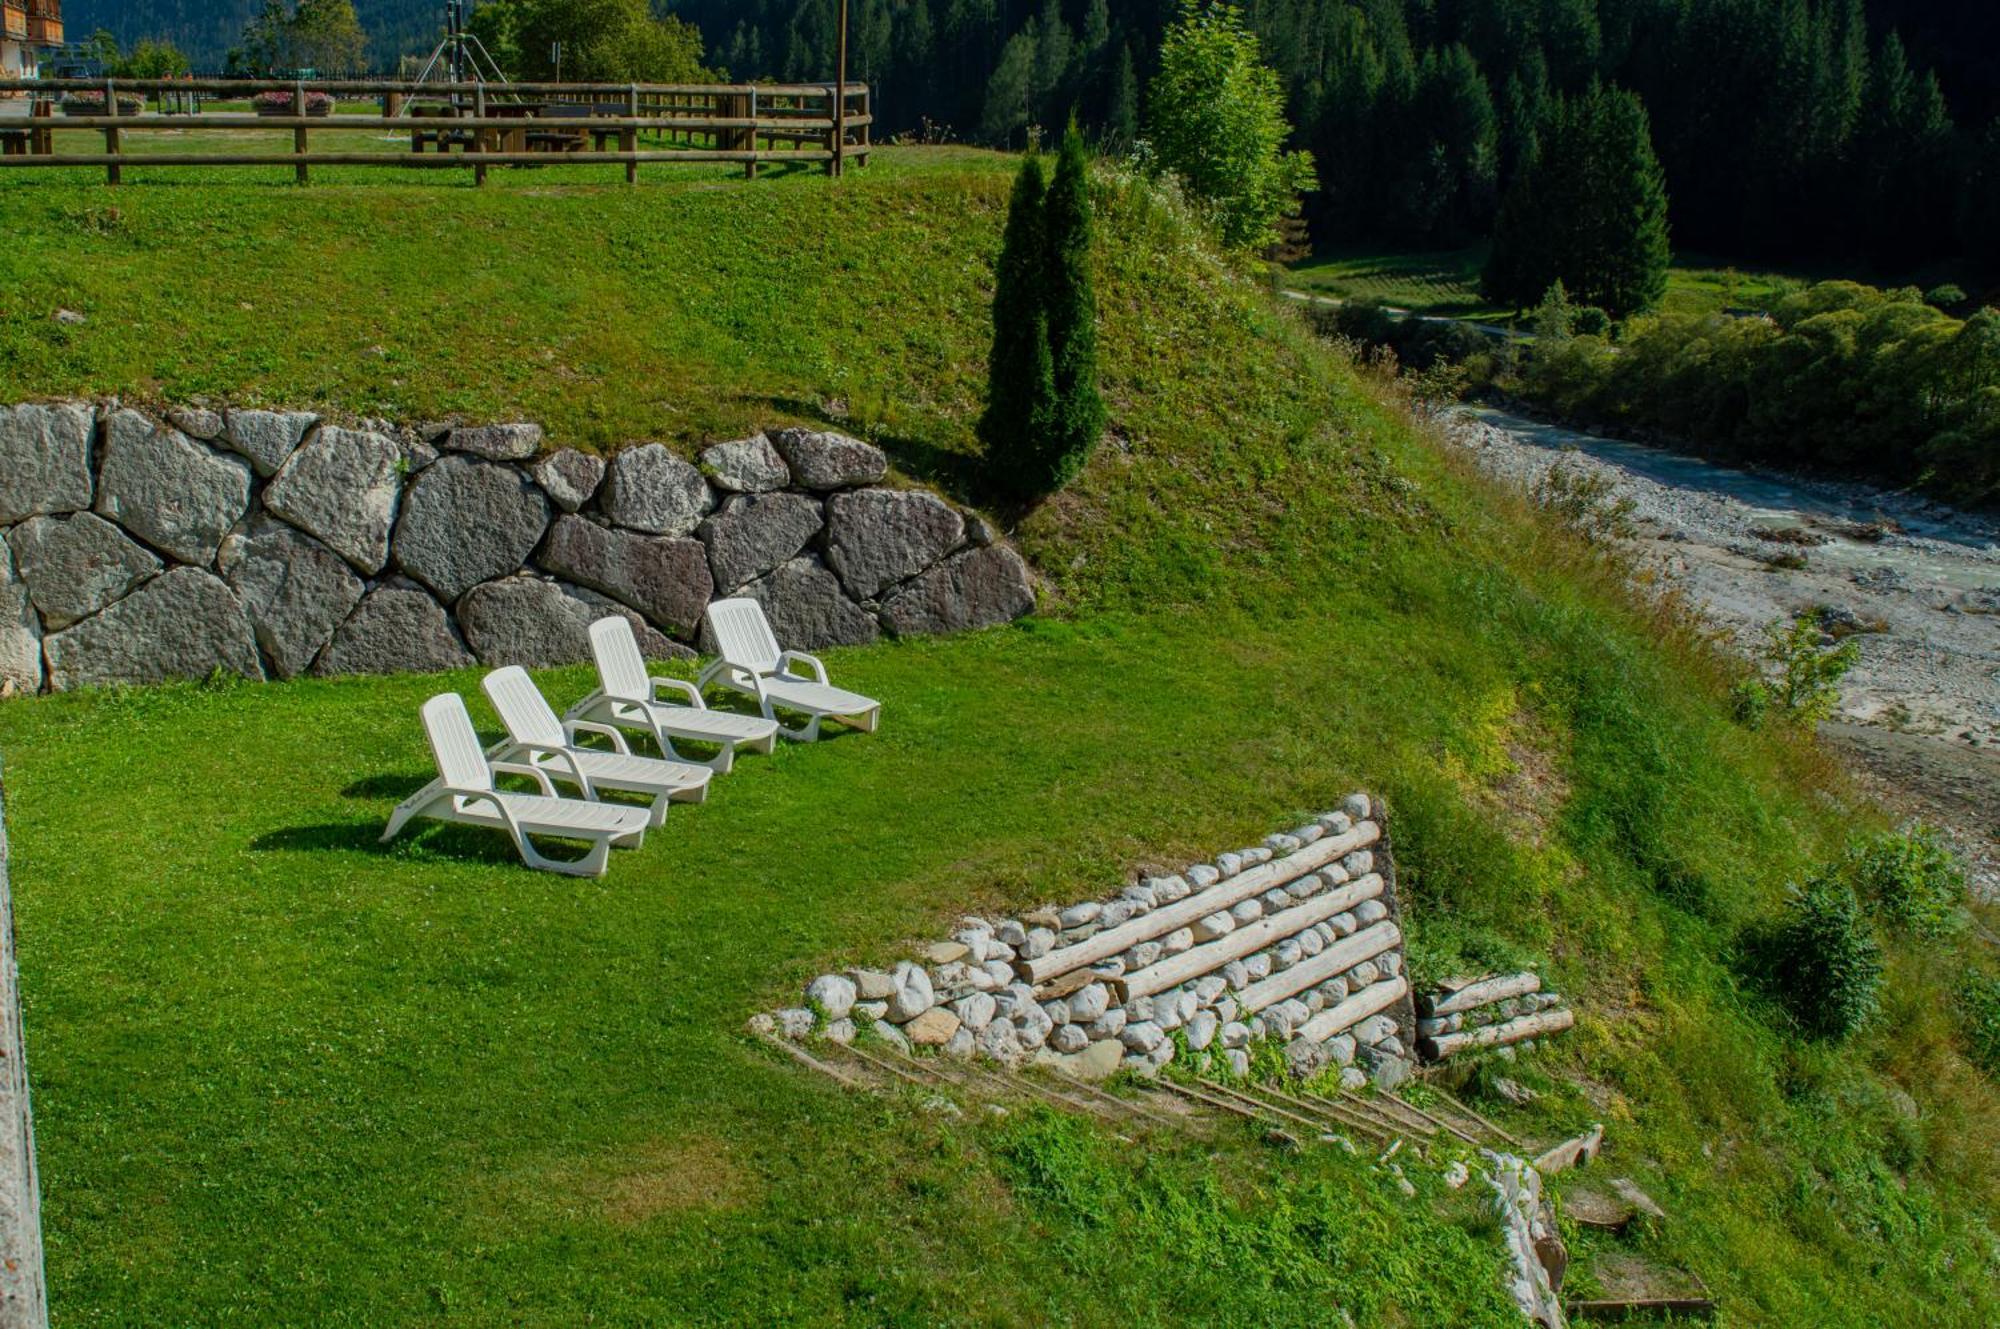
<point>1247,911</point>
<point>1177,941</point>
<point>1201,1030</point>
<point>1078,914</point>
<point>795,1022</point>
<point>840,1031</point>
<point>1202,876</point>
<point>835,996</point>
<point>1357,806</point>
<point>1213,926</point>
<point>976,1011</point>
<point>1087,1003</point>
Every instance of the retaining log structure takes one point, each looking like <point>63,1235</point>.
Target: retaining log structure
<point>1297,940</point>
<point>750,124</point>
<point>1498,1010</point>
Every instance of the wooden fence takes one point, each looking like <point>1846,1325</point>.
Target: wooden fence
<point>489,125</point>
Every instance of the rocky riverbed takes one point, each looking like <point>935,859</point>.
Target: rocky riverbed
<point>1915,582</point>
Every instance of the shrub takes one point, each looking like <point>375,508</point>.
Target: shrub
<point>317,103</point>
<point>1912,880</point>
<point>1807,686</point>
<point>1946,296</point>
<point>1590,321</point>
<point>1821,962</point>
<point>1979,1010</point>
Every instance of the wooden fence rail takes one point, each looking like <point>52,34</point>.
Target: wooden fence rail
<point>516,124</point>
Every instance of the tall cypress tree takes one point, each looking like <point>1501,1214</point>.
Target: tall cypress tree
<point>1077,420</point>
<point>1020,377</point>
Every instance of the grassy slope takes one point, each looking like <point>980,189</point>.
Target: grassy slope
<point>1447,282</point>
<point>281,1073</point>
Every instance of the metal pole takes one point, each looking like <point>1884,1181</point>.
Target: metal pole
<point>840,99</point>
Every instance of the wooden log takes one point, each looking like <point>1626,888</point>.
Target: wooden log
<point>1201,904</point>
<point>1482,993</point>
<point>1440,1046</point>
<point>1338,958</point>
<point>1371,1000</point>
<point>1245,940</point>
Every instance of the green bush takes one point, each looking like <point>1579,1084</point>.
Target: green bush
<point>1979,1008</point>
<point>1821,961</point>
<point>1590,321</point>
<point>1912,880</point>
<point>1808,673</point>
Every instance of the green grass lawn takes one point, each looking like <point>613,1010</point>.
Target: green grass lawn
<point>1447,282</point>
<point>283,1074</point>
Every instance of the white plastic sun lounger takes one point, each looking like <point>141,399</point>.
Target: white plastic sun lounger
<point>628,697</point>
<point>535,736</point>
<point>752,663</point>
<point>464,792</point>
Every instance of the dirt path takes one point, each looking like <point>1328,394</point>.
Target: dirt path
<point>1916,583</point>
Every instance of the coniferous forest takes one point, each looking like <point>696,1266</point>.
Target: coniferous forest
<point>1854,132</point>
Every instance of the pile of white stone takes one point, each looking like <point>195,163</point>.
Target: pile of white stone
<point>1497,1011</point>
<point>1295,941</point>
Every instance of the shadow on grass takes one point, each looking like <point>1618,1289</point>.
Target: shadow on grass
<point>420,840</point>
<point>396,787</point>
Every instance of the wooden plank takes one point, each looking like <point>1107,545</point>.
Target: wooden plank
<point>1245,940</point>
<point>1440,1046</point>
<point>1169,918</point>
<point>1482,993</point>
<point>1470,1115</point>
<point>1371,1000</point>
<point>460,160</point>
<point>1572,1153</point>
<point>1337,958</point>
<point>805,1058</point>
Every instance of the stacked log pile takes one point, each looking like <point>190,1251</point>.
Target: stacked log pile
<point>1498,1010</point>
<point>1295,941</point>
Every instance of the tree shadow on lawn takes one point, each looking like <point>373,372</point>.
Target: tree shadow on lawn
<point>420,840</point>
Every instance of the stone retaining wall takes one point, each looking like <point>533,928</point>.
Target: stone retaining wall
<point>1296,942</point>
<point>273,544</point>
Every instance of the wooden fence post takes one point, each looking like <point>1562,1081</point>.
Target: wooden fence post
<point>750,167</point>
<point>302,172</point>
<point>42,141</point>
<point>629,140</point>
<point>112,142</point>
<point>479,139</point>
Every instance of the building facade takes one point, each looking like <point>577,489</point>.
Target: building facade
<point>27,29</point>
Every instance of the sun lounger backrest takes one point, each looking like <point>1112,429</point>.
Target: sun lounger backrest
<point>522,707</point>
<point>743,635</point>
<point>621,670</point>
<point>454,744</point>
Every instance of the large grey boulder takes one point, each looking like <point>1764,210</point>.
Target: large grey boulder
<point>504,442</point>
<point>294,590</point>
<point>44,460</point>
<point>184,623</point>
<point>570,478</point>
<point>753,533</point>
<point>650,489</point>
<point>746,466</point>
<point>820,460</point>
<point>807,608</point>
<point>267,438</point>
<point>179,496</point>
<point>342,486</point>
<point>396,629</point>
<point>20,632</point>
<point>975,589</point>
<point>74,566</point>
<point>663,577</point>
<point>878,537</point>
<point>536,622</point>
<point>466,521</point>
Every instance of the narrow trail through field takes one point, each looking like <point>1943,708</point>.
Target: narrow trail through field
<point>1915,582</point>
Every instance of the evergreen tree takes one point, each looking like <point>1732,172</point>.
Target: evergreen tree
<point>1020,372</point>
<point>1121,118</point>
<point>1010,93</point>
<point>1077,421</point>
<point>1590,212</point>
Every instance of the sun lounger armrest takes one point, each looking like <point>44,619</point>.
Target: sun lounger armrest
<point>499,805</point>
<point>571,728</point>
<point>812,662</point>
<point>566,764</point>
<point>692,692</point>
<point>532,771</point>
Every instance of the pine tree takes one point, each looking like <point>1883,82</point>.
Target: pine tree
<point>1020,374</point>
<point>1590,212</point>
<point>1078,417</point>
<point>1121,119</point>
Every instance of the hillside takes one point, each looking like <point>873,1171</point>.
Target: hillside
<point>207,29</point>
<point>282,1074</point>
